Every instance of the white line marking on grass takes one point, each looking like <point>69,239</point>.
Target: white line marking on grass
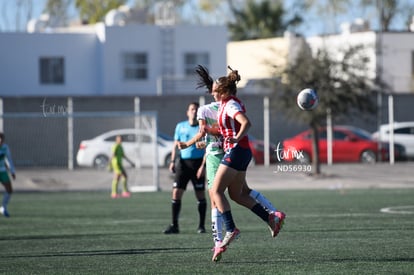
<point>408,209</point>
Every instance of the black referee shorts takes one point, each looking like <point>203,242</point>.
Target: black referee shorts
<point>185,171</point>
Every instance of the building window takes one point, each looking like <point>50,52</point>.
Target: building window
<point>191,60</point>
<point>135,66</point>
<point>52,70</point>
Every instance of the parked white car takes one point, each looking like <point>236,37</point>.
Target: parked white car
<point>403,134</point>
<point>96,152</point>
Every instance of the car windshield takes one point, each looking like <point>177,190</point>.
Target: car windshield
<point>252,138</point>
<point>361,133</point>
<point>165,136</point>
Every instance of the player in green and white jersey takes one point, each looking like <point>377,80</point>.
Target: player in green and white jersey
<point>6,165</point>
<point>207,118</point>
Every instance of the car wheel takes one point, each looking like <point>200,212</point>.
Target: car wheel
<point>167,160</point>
<point>368,156</point>
<point>101,162</point>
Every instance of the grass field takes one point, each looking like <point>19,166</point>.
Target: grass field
<point>326,232</point>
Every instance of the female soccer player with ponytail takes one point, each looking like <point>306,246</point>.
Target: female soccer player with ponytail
<point>207,117</point>
<point>231,174</point>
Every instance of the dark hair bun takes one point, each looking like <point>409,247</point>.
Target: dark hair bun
<point>234,76</point>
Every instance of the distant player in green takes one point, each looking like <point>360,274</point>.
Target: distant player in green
<point>6,165</point>
<point>119,172</point>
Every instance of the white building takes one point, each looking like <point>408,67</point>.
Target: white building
<point>254,58</point>
<point>391,54</point>
<point>133,59</point>
<point>141,59</point>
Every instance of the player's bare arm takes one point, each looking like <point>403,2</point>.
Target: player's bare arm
<point>200,134</point>
<point>244,127</point>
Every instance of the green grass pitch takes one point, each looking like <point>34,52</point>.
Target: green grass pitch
<point>326,232</point>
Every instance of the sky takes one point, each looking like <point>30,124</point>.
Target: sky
<point>314,25</point>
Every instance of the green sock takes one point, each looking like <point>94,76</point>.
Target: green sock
<point>114,187</point>
<point>124,185</point>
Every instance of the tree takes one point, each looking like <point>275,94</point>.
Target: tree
<point>388,10</point>
<point>327,12</point>
<point>23,10</point>
<point>58,12</point>
<point>342,85</point>
<point>93,11</point>
<point>259,20</point>
<point>381,12</point>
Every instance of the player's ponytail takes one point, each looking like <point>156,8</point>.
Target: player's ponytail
<point>204,78</point>
<point>233,75</point>
<point>228,84</point>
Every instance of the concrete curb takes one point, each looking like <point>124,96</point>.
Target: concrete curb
<point>337,176</point>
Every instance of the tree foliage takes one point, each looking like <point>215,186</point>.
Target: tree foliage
<point>58,12</point>
<point>16,21</point>
<point>264,19</point>
<point>93,11</point>
<point>342,85</point>
<point>327,12</point>
<point>388,10</point>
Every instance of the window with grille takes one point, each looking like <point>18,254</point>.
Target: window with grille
<point>52,70</point>
<point>191,60</point>
<point>135,66</point>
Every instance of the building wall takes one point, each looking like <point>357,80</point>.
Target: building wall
<point>19,66</point>
<point>398,62</point>
<point>395,58</point>
<point>93,58</point>
<point>212,39</point>
<point>335,44</point>
<point>130,38</point>
<point>253,58</point>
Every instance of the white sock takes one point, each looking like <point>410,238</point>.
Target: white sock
<point>216,226</point>
<point>263,201</point>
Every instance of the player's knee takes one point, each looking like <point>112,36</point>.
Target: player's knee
<point>234,197</point>
<point>8,188</point>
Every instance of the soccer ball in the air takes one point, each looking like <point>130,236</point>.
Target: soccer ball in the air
<point>307,99</point>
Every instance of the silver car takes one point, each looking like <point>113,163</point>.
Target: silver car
<point>96,152</point>
<point>403,134</point>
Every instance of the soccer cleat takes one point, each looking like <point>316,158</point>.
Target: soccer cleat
<point>229,237</point>
<point>218,250</point>
<point>201,229</point>
<point>276,221</point>
<point>126,194</point>
<point>115,196</point>
<point>4,212</point>
<point>171,229</point>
